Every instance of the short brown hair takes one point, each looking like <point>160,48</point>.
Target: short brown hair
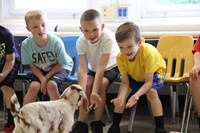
<point>34,14</point>
<point>89,15</point>
<point>128,30</point>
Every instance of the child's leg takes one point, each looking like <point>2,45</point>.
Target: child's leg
<point>32,92</point>
<point>52,90</point>
<point>55,82</point>
<point>81,125</point>
<point>98,113</point>
<point>155,102</point>
<point>7,93</point>
<point>83,116</point>
<point>195,92</point>
<point>157,110</point>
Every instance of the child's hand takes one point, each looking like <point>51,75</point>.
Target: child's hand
<point>195,72</point>
<point>118,102</point>
<point>132,101</point>
<point>43,88</point>
<point>95,99</point>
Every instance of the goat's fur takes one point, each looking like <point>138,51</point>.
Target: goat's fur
<point>48,116</point>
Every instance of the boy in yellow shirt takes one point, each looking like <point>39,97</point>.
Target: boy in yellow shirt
<point>142,72</point>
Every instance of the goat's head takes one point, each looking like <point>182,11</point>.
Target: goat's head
<point>76,96</point>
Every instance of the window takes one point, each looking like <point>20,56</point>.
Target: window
<point>54,8</point>
<point>170,8</point>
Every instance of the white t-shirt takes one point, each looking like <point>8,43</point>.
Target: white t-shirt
<point>105,45</point>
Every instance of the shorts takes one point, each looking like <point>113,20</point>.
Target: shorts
<point>10,79</point>
<point>111,75</point>
<point>58,77</point>
<point>136,85</point>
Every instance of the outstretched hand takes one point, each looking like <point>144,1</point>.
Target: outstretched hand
<point>118,102</point>
<point>132,101</point>
<point>95,100</point>
<point>195,72</point>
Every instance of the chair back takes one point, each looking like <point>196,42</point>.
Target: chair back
<point>70,48</point>
<point>177,52</point>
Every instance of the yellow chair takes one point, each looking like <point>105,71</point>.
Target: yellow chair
<point>177,52</point>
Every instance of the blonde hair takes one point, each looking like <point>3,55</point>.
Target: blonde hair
<point>128,30</point>
<point>89,15</point>
<point>34,14</point>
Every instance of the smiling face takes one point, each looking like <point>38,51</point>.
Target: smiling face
<point>129,48</point>
<point>92,30</point>
<point>37,26</point>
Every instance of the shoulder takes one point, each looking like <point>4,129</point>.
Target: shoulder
<point>81,39</point>
<point>119,56</point>
<point>53,39</point>
<point>5,33</point>
<point>108,34</point>
<point>148,47</point>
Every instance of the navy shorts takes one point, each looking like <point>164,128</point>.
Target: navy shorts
<point>10,79</point>
<point>58,77</point>
<point>111,75</point>
<point>135,85</point>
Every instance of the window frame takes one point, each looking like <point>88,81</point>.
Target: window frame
<point>13,13</point>
<point>152,11</point>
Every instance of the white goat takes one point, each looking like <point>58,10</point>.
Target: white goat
<point>48,116</point>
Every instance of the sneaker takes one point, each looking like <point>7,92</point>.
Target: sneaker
<point>114,129</point>
<point>97,126</point>
<point>160,130</point>
<point>80,127</point>
<point>8,128</point>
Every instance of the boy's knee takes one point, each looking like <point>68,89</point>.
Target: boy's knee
<point>34,88</point>
<point>151,94</point>
<point>51,84</point>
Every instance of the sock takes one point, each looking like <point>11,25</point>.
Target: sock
<point>10,117</point>
<point>116,119</point>
<point>159,121</point>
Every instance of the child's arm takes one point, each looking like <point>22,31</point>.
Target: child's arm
<point>54,70</point>
<point>123,92</point>
<point>196,68</point>
<point>94,97</point>
<point>82,71</point>
<point>10,61</point>
<point>145,87</point>
<point>100,73</point>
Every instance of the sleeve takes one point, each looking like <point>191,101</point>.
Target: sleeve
<point>10,43</point>
<point>120,64</point>
<point>25,57</point>
<point>80,47</point>
<point>62,56</point>
<point>197,46</point>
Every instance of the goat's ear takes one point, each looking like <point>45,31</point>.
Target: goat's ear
<point>64,93</point>
<point>84,101</point>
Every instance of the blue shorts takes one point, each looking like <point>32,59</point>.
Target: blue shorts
<point>135,85</point>
<point>58,77</point>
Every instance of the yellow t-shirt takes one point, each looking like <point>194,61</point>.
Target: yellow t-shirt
<point>147,60</point>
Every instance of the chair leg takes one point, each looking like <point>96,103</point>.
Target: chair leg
<point>185,110</point>
<point>132,117</point>
<point>173,102</point>
<point>188,117</point>
<point>177,100</point>
<point>108,114</point>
